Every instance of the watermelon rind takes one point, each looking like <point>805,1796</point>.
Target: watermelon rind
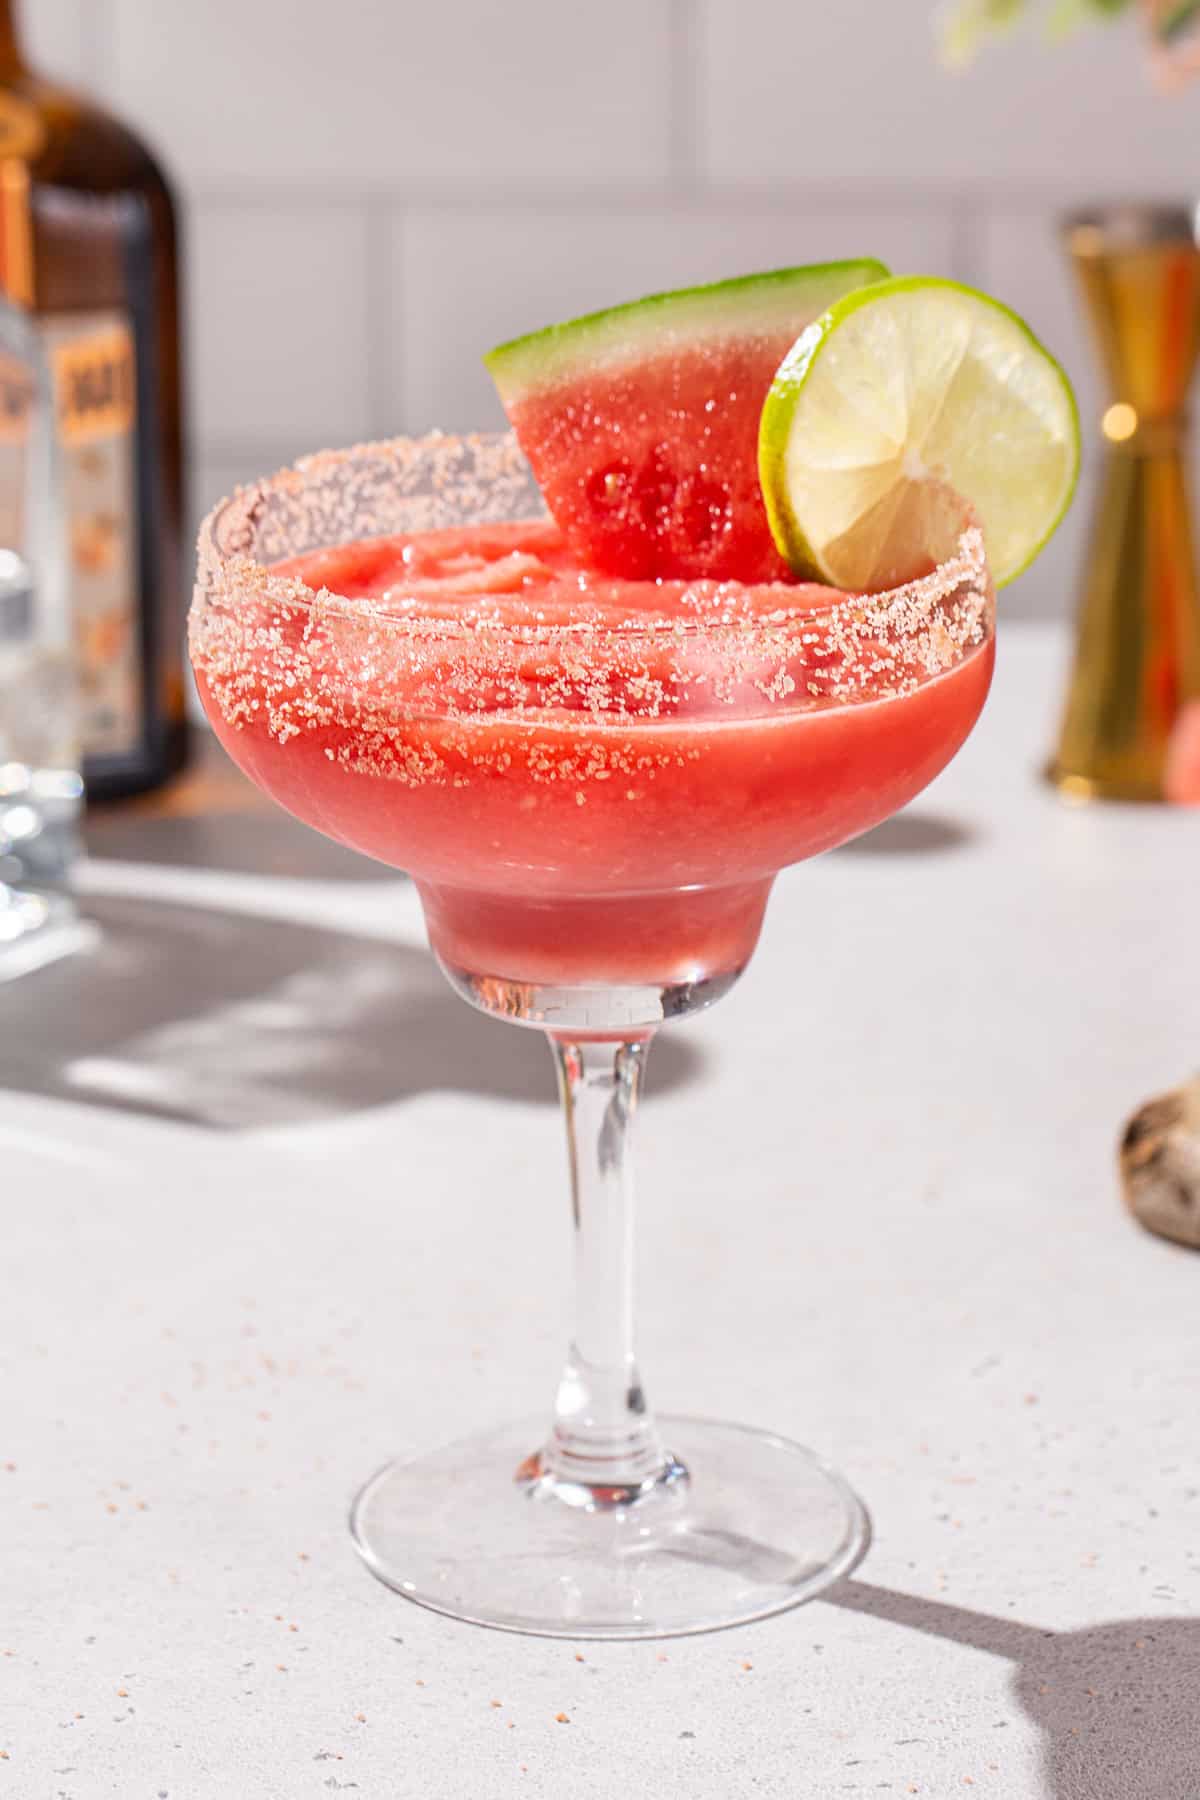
<point>640,328</point>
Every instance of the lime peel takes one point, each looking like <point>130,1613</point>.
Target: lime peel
<point>902,397</point>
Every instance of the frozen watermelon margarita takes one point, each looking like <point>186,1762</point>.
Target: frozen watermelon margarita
<point>592,779</point>
<point>723,600</point>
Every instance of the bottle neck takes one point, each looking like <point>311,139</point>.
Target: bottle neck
<point>10,49</point>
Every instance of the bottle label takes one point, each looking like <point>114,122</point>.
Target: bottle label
<point>16,399</point>
<point>16,412</point>
<point>22,132</point>
<point>92,367</point>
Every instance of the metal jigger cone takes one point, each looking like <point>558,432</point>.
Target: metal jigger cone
<point>1137,651</point>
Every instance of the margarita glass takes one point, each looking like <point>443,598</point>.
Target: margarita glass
<point>593,783</point>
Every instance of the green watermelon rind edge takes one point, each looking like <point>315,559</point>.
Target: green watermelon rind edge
<point>541,357</point>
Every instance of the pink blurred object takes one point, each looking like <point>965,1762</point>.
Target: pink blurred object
<point>1175,41</point>
<point>1181,778</point>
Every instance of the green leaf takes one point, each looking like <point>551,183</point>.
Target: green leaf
<point>1067,16</point>
<point>969,22</point>
<point>1177,21</point>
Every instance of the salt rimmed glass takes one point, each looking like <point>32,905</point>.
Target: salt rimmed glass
<point>593,786</point>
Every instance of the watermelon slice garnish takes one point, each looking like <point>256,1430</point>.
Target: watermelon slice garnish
<point>641,422</point>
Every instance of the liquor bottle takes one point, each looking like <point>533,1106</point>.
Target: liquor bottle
<point>40,787</point>
<point>88,244</point>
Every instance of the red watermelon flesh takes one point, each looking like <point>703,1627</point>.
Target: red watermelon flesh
<point>641,423</point>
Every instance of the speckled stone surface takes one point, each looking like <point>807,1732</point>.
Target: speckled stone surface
<point>276,1205</point>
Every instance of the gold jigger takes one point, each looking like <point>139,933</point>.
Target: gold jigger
<point>1137,652</point>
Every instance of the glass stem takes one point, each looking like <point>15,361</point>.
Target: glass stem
<point>604,1443</point>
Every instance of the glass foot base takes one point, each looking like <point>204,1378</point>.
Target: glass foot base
<point>608,1012</point>
<point>758,1526</point>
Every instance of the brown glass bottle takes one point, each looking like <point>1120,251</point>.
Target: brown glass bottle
<point>88,241</point>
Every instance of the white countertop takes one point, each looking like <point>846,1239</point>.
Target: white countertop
<point>278,1205</point>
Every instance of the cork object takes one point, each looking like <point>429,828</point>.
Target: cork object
<point>1160,1164</point>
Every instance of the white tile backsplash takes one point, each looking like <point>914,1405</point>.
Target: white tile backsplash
<point>1019,258</point>
<point>56,34</point>
<point>1016,255</point>
<point>379,192</point>
<point>278,324</point>
<point>477,93</point>
<point>853,93</point>
<point>465,280</point>
<point>1050,588</point>
<point>217,477</point>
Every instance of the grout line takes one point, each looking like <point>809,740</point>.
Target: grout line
<point>965,245</point>
<point>265,196</point>
<point>712,198</point>
<point>97,31</point>
<point>385,396</point>
<point>683,108</point>
<point>473,197</point>
<point>263,454</point>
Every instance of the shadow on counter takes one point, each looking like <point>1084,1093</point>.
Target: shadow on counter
<point>263,842</point>
<point>913,834</point>
<point>214,818</point>
<point>239,1023</point>
<point>1115,1704</point>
